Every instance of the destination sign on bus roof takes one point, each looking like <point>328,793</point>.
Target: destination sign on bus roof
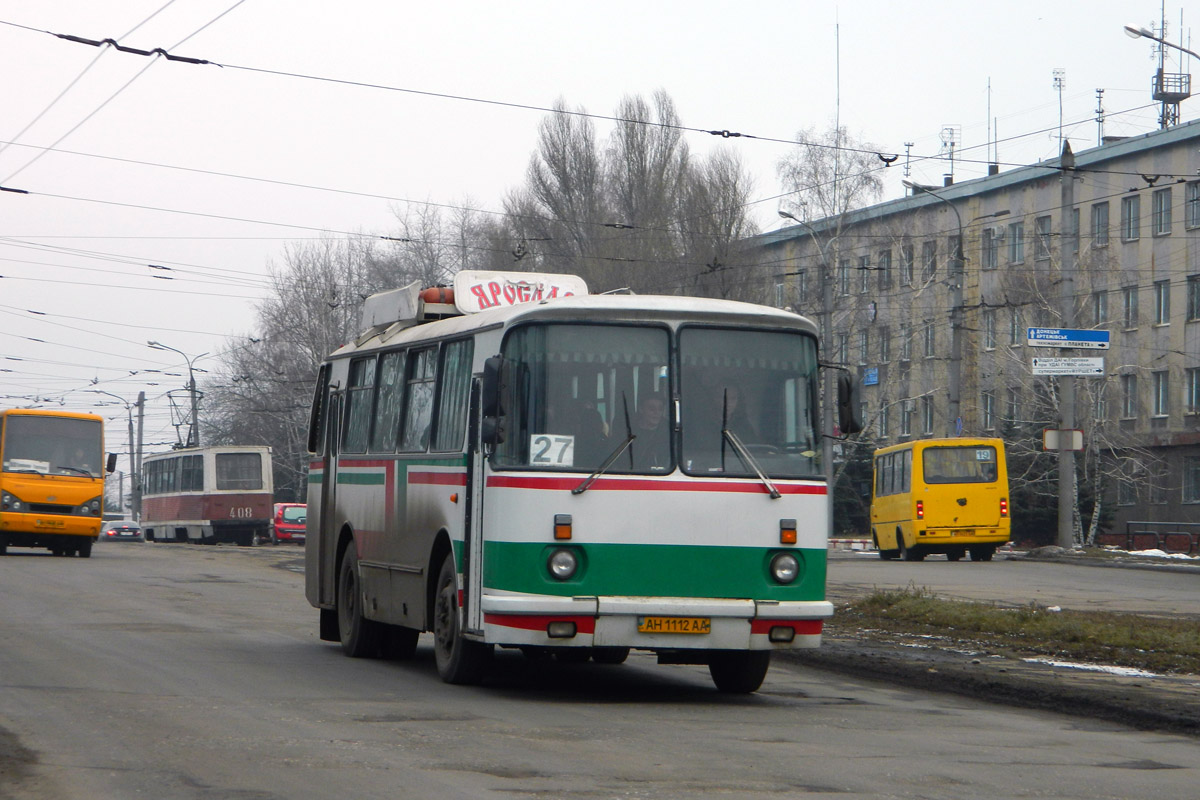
<point>479,290</point>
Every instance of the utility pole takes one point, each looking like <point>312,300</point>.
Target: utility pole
<point>135,490</point>
<point>1066,383</point>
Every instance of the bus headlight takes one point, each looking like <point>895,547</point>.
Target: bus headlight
<point>562,564</point>
<point>91,508</point>
<point>10,503</point>
<point>785,567</point>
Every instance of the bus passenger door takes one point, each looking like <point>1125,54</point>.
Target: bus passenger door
<point>473,533</point>
<point>328,536</point>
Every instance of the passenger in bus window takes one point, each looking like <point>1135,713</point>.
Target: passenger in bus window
<point>651,450</point>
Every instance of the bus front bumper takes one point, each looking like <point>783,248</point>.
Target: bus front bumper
<point>654,623</point>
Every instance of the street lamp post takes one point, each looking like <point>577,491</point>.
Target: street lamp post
<point>826,351</point>
<point>193,439</point>
<point>954,407</point>
<point>133,478</point>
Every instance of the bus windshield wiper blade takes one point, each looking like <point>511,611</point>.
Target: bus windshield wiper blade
<point>751,461</point>
<point>87,472</point>
<point>603,468</point>
<point>608,462</point>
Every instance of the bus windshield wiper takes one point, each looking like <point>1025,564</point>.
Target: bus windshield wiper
<point>608,462</point>
<point>87,472</point>
<point>749,459</point>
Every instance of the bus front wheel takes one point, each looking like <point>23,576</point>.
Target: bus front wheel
<point>739,672</point>
<point>458,660</point>
<point>359,635</point>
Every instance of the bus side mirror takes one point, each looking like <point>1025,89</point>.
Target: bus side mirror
<point>111,464</point>
<point>493,393</point>
<point>849,405</point>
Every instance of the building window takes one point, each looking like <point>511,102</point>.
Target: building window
<point>989,328</point>
<point>928,259</point>
<point>864,274</point>
<point>1016,242</point>
<point>1129,298</point>
<point>779,295</point>
<point>1015,334</point>
<point>1160,216</point>
<point>1041,242</point>
<point>1162,302</point>
<point>905,342</point>
<point>1193,297</point>
<point>1129,403</point>
<point>843,279</point>
<point>1191,206</point>
<point>864,346</point>
<point>988,410</point>
<point>906,264</point>
<point>906,412</point>
<point>1126,491</point>
<point>1131,218</point>
<point>927,414</point>
<point>930,341</point>
<point>1013,412</point>
<point>1100,225</point>
<point>1161,383</point>
<point>885,413</point>
<point>1191,378</point>
<point>885,345</point>
<point>1191,479</point>
<point>885,269</point>
<point>1100,404</point>
<point>1158,484</point>
<point>1100,307</point>
<point>843,347</point>
<point>990,249</point>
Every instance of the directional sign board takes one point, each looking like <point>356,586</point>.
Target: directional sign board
<point>1068,366</point>
<point>1067,337</point>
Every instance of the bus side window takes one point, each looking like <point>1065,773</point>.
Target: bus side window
<point>418,416</point>
<point>358,405</point>
<point>388,402</point>
<point>454,391</point>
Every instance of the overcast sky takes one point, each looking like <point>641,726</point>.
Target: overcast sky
<point>211,170</point>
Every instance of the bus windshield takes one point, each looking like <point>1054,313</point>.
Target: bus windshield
<point>582,394</point>
<point>959,464</point>
<point>758,385</point>
<point>52,446</point>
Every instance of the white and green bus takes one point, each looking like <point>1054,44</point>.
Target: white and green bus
<point>516,463</point>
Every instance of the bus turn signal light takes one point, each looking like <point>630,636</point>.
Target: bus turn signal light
<point>787,531</point>
<point>562,526</point>
<point>1004,506</point>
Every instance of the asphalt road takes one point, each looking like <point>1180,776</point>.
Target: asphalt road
<point>174,671</point>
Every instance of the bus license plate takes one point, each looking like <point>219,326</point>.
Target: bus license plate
<point>699,625</point>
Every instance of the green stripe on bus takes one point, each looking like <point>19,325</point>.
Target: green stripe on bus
<point>361,478</point>
<point>653,571</point>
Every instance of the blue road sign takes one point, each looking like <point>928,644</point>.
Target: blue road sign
<point>1068,337</point>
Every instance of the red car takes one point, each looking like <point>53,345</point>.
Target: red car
<point>288,522</point>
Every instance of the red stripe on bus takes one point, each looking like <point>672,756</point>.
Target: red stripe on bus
<point>803,627</point>
<point>438,478</point>
<point>641,485</point>
<point>538,622</point>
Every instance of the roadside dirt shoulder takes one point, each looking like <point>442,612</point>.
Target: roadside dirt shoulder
<point>1168,703</point>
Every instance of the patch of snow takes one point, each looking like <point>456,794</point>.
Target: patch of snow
<point>1128,672</point>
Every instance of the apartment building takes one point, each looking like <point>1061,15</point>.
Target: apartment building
<point>929,298</point>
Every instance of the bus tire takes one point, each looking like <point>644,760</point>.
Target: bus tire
<point>610,655</point>
<point>908,553</point>
<point>3,545</point>
<point>85,549</point>
<point>955,553</point>
<point>359,635</point>
<point>983,553</point>
<point>739,672</point>
<point>458,660</point>
<point>397,643</point>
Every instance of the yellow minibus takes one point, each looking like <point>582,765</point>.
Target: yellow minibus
<point>940,496</point>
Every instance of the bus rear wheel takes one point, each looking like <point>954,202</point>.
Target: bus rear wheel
<point>359,635</point>
<point>739,672</point>
<point>458,660</point>
<point>909,553</point>
<point>983,553</point>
